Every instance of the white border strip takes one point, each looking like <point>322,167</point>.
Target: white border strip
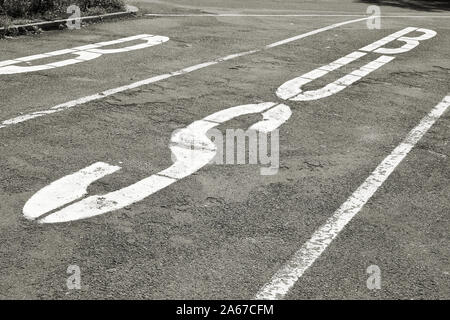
<point>285,278</point>
<point>141,83</point>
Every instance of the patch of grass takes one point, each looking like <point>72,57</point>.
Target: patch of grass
<point>51,9</point>
<point>5,21</point>
<point>14,13</point>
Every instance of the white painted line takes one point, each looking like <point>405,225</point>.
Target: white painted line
<point>285,278</point>
<point>231,15</point>
<point>84,53</point>
<point>411,42</point>
<point>191,149</point>
<point>273,119</point>
<point>96,205</point>
<point>343,82</point>
<point>97,96</point>
<point>292,89</point>
<point>65,190</point>
<point>233,112</point>
<point>389,38</point>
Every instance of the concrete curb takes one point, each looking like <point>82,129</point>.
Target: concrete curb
<point>54,24</point>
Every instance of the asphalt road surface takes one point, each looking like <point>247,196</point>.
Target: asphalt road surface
<point>362,189</point>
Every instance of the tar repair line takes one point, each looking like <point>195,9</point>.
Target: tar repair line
<point>285,278</point>
<point>101,95</point>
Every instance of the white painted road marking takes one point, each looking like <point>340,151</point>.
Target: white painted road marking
<point>285,278</point>
<point>411,42</point>
<point>84,53</point>
<point>371,47</point>
<point>292,89</point>
<point>190,146</point>
<point>101,95</point>
<point>65,190</point>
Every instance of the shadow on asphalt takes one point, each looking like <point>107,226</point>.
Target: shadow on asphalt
<point>424,5</point>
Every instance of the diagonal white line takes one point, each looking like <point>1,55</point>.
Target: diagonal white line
<point>286,277</point>
<point>101,95</point>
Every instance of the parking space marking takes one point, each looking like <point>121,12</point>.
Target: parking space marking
<point>286,277</point>
<point>292,89</point>
<point>84,53</point>
<point>101,95</point>
<point>191,147</point>
<point>410,42</point>
<point>66,190</point>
